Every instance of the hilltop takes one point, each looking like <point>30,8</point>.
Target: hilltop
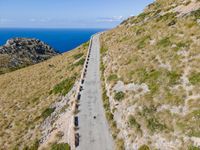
<point>22,52</point>
<point>150,69</point>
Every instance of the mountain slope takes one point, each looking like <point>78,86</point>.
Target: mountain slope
<point>34,98</point>
<point>152,77</point>
<point>21,52</point>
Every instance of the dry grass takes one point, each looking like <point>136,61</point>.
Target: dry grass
<point>161,50</point>
<point>25,95</point>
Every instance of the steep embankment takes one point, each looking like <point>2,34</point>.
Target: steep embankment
<point>152,76</point>
<point>34,107</point>
<point>22,52</point>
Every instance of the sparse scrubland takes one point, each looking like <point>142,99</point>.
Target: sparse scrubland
<point>151,77</point>
<point>27,96</point>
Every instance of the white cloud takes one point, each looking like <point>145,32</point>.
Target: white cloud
<point>111,19</point>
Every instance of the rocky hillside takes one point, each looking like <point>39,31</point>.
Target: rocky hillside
<point>150,66</point>
<point>37,102</point>
<point>21,52</point>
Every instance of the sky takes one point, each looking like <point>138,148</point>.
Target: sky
<point>68,13</point>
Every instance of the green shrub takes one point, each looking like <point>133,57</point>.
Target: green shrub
<point>86,44</point>
<point>174,77</point>
<point>195,78</point>
<point>147,111</point>
<point>120,144</point>
<point>119,96</point>
<point>47,112</point>
<point>196,14</point>
<point>155,125</point>
<point>143,41</point>
<point>64,87</point>
<point>168,16</point>
<point>193,148</point>
<point>77,56</point>
<point>61,146</point>
<point>34,146</point>
<point>109,115</point>
<point>132,122</point>
<point>112,77</point>
<point>164,42</point>
<point>144,147</point>
<point>103,50</point>
<point>80,62</point>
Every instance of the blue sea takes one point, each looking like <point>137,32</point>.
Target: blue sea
<point>62,40</point>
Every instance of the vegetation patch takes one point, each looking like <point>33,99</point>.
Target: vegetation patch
<point>61,146</point>
<point>174,77</point>
<point>164,42</point>
<point>155,125</point>
<point>109,115</point>
<point>64,87</point>
<point>133,123</point>
<point>85,45</point>
<point>196,14</point>
<point>77,56</point>
<point>120,144</point>
<point>119,96</point>
<point>34,146</point>
<point>103,49</point>
<point>80,62</point>
<point>144,147</point>
<point>167,16</point>
<point>195,78</point>
<point>47,112</point>
<point>193,148</point>
<point>112,77</point>
<point>143,41</point>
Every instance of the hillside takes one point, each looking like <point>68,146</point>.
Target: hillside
<point>37,99</point>
<point>150,69</point>
<point>22,52</point>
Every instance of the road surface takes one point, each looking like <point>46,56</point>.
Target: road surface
<point>93,127</point>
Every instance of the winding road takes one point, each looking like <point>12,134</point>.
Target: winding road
<point>93,127</point>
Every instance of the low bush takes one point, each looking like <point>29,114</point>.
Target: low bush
<point>133,123</point>
<point>80,62</point>
<point>144,147</point>
<point>196,14</point>
<point>119,96</point>
<point>47,112</point>
<point>64,87</point>
<point>155,125</point>
<point>103,50</point>
<point>61,146</point>
<point>112,77</point>
<point>77,56</point>
<point>164,42</point>
<point>195,78</point>
<point>120,144</point>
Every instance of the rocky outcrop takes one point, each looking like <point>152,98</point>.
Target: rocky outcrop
<point>20,52</point>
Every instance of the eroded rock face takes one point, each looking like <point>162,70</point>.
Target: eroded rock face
<point>23,52</point>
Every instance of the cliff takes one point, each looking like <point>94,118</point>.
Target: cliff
<point>21,52</point>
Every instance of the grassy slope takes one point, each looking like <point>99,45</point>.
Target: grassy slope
<point>26,95</point>
<point>161,50</point>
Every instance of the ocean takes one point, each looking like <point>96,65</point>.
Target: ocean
<point>62,40</point>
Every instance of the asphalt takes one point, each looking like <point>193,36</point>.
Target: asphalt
<point>93,127</point>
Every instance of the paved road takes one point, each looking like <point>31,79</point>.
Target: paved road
<point>94,133</point>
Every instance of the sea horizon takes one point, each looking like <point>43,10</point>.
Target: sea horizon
<point>61,39</point>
